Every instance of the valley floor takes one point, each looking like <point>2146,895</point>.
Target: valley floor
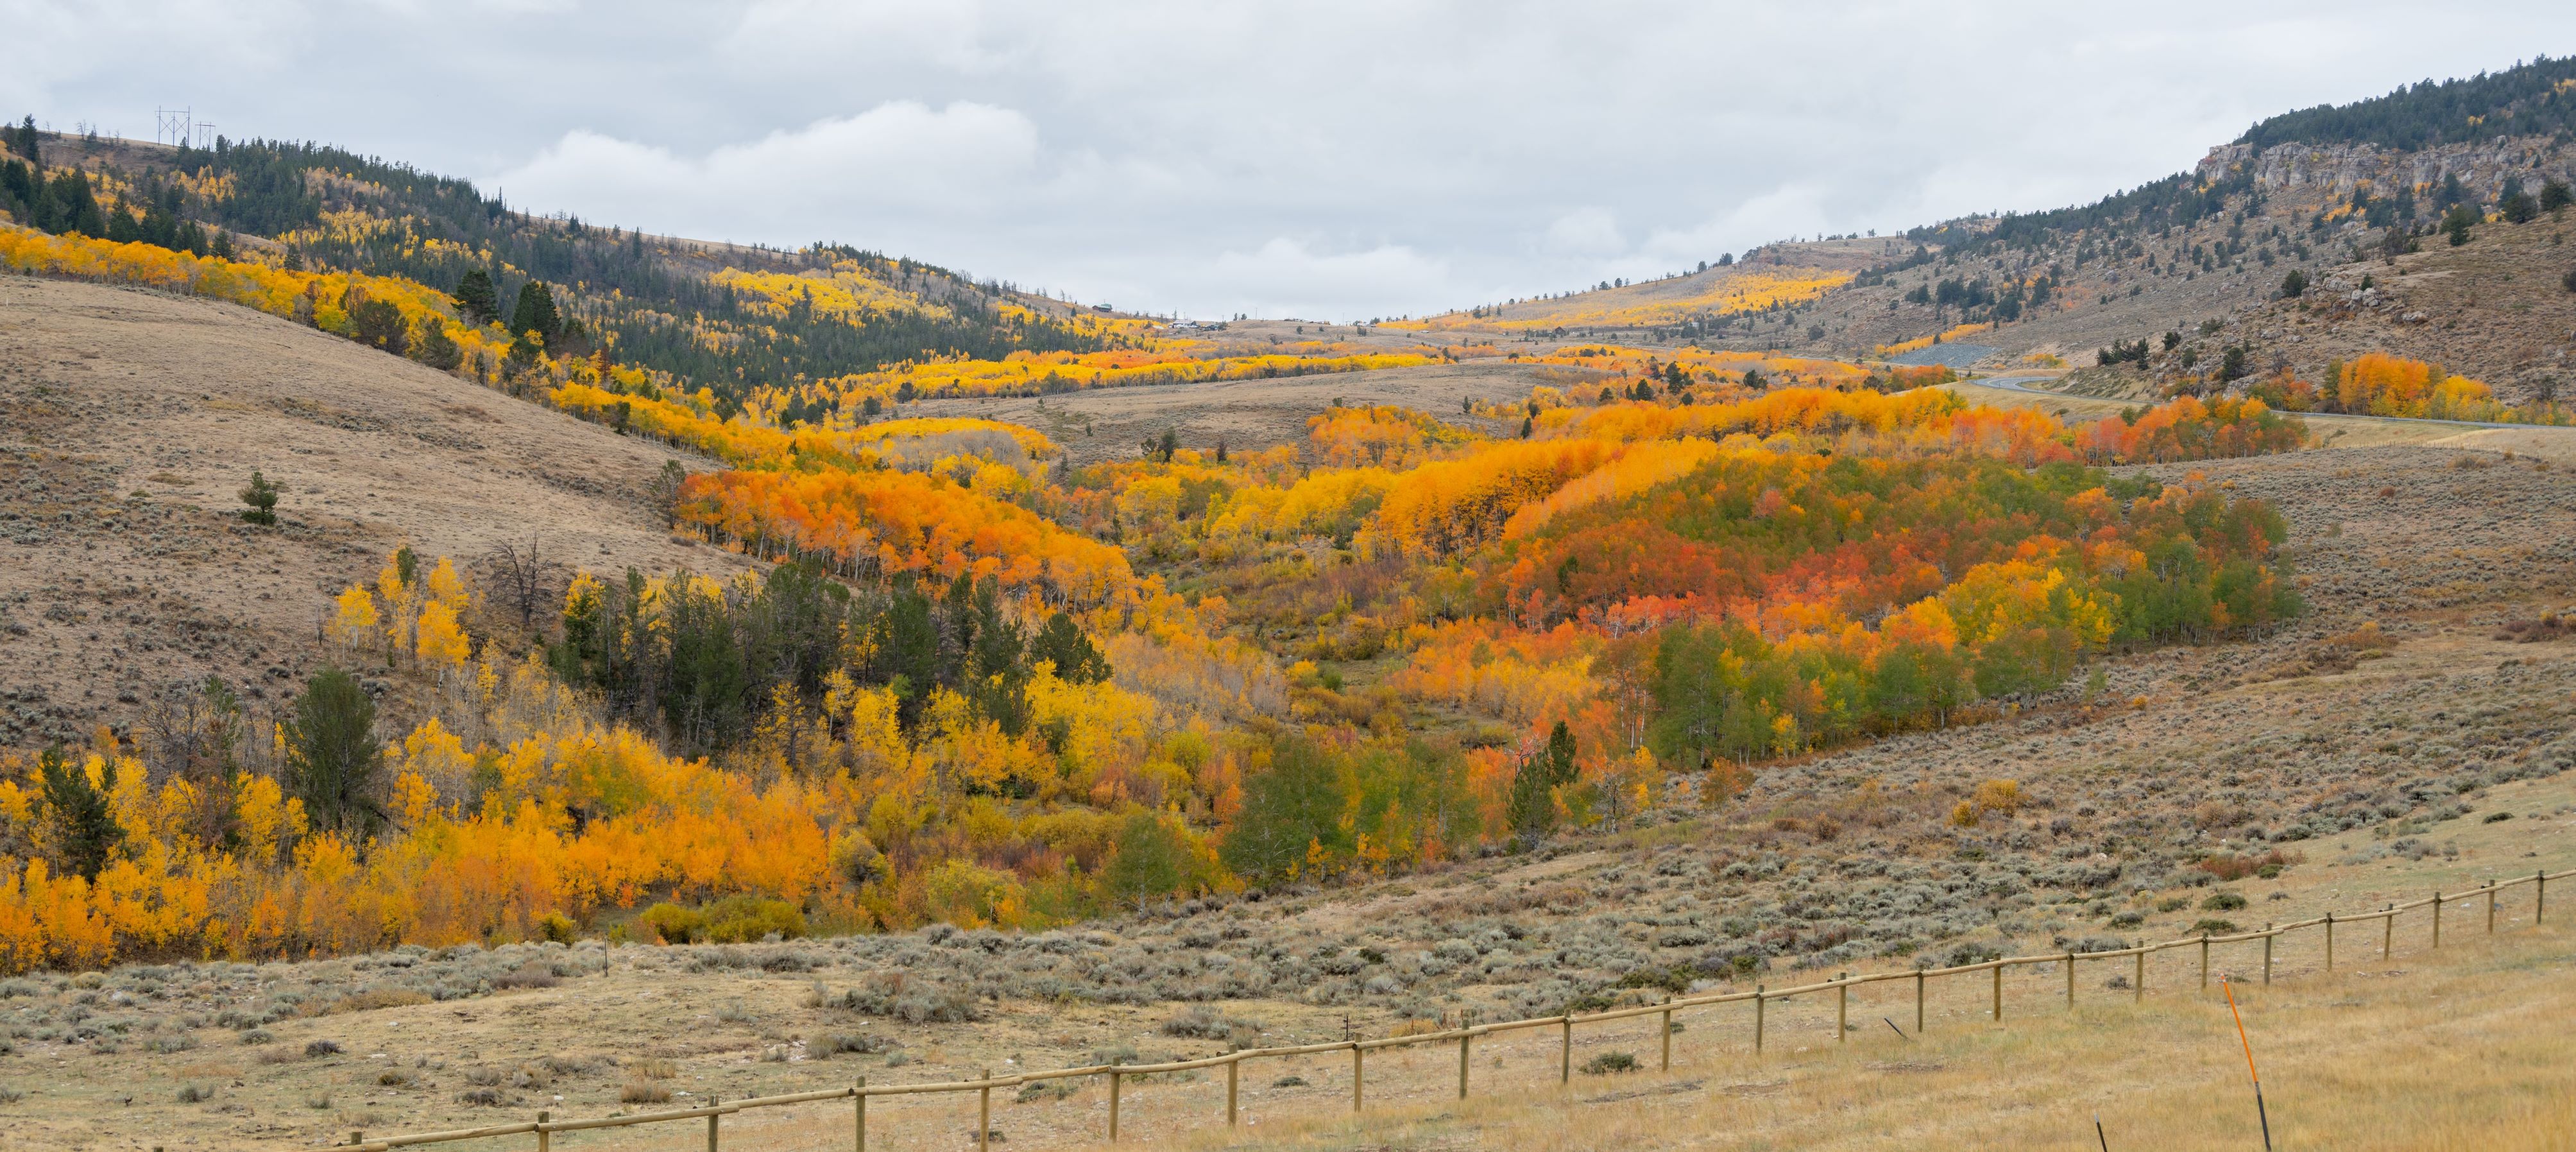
<point>2396,739</point>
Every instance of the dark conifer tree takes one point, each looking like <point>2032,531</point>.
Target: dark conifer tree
<point>476,297</point>
<point>535,312</point>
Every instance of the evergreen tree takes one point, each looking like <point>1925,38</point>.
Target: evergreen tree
<point>997,664</point>
<point>535,312</point>
<point>261,496</point>
<point>377,323</point>
<point>78,812</point>
<point>331,752</point>
<point>68,206</point>
<point>2232,366</point>
<point>19,191</point>
<point>2293,285</point>
<point>436,348</point>
<point>1535,784</point>
<point>23,142</point>
<point>2518,206</point>
<point>2554,196</point>
<point>1062,643</point>
<point>907,649</point>
<point>2457,222</point>
<point>707,694</point>
<point>2451,193</point>
<point>476,298</point>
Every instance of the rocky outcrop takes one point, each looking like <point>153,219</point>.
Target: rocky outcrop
<point>2322,171</point>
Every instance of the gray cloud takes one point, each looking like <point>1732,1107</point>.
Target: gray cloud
<point>1320,159</point>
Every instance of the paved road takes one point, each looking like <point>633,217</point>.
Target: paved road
<point>1955,355</point>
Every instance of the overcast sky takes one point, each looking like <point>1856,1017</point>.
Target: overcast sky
<point>1319,159</point>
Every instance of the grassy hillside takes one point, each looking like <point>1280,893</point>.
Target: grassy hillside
<point>134,420</point>
<point>727,317</point>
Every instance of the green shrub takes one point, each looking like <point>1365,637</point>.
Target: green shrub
<point>674,924</point>
<point>1609,1062</point>
<point>732,920</point>
<point>2223,902</point>
<point>558,927</point>
<point>742,919</point>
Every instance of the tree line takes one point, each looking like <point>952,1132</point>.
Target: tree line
<point>706,662</point>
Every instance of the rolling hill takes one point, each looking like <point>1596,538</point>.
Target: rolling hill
<point>922,676</point>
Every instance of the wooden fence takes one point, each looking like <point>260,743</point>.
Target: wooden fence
<point>544,1127</point>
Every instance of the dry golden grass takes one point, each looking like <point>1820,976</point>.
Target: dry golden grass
<point>2460,1049</point>
<point>2458,1053</point>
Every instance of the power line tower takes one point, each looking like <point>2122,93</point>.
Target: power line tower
<point>179,127</point>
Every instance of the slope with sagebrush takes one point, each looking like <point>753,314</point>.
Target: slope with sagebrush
<point>134,417</point>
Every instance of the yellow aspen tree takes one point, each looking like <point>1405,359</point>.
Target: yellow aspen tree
<point>354,621</point>
<point>267,818</point>
<point>415,799</point>
<point>442,641</point>
<point>398,597</point>
<point>446,587</point>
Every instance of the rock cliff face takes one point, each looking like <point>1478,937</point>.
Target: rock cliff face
<point>2332,171</point>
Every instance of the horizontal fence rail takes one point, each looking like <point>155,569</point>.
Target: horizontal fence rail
<point>1464,1037</point>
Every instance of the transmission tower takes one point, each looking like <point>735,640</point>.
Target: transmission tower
<point>179,127</point>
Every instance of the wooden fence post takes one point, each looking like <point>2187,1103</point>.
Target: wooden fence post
<point>2267,951</point>
<point>1113,1105</point>
<point>1918,1001</point>
<point>2540,901</point>
<point>1359,1073</point>
<point>711,1123</point>
<point>1565,1049</point>
<point>545,1139</point>
<point>1668,1040</point>
<point>2329,941</point>
<point>2070,981</point>
<point>2437,920</point>
<point>2388,933</point>
<point>1757,1019</point>
<point>1463,1039</point>
<point>2204,960</point>
<point>859,1115</point>
<point>1999,992</point>
<point>1232,1069</point>
<point>2491,905</point>
<point>1842,1007</point>
<point>983,1108</point>
<point>2139,993</point>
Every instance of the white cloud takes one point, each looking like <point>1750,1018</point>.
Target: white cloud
<point>835,33</point>
<point>1586,232</point>
<point>1285,277</point>
<point>1417,155</point>
<point>901,157</point>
